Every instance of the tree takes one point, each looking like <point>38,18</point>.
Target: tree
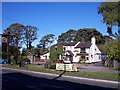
<point>55,51</point>
<point>67,36</point>
<point>30,35</point>
<point>112,48</point>
<point>111,16</point>
<point>84,34</point>
<point>46,40</point>
<point>16,34</point>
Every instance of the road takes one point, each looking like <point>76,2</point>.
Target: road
<point>22,80</point>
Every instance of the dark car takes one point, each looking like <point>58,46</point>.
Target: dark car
<point>27,61</point>
<point>3,61</point>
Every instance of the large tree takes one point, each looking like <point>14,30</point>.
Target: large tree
<point>15,32</point>
<point>30,35</point>
<point>111,16</point>
<point>84,34</point>
<point>46,40</point>
<point>67,36</point>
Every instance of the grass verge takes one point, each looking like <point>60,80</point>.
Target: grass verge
<point>101,75</point>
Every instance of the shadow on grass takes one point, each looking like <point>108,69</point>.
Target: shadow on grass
<point>20,81</point>
<point>60,75</point>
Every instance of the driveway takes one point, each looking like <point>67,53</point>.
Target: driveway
<point>90,67</point>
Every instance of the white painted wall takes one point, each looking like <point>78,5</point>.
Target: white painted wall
<point>94,53</point>
<point>45,56</point>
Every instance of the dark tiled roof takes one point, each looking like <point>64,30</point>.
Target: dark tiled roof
<point>84,45</point>
<point>66,43</point>
<point>71,43</point>
<point>44,53</point>
<point>60,43</point>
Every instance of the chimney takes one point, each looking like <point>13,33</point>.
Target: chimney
<point>55,41</point>
<point>93,41</point>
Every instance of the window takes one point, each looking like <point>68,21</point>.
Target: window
<point>87,58</point>
<point>83,57</point>
<point>91,56</point>
<point>82,50</point>
<point>58,56</point>
<point>45,57</point>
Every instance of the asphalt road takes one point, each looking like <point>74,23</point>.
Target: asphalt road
<point>21,80</point>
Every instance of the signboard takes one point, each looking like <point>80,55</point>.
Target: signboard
<point>60,66</point>
<point>4,39</point>
<point>67,67</point>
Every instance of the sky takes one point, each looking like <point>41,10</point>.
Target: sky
<point>53,17</point>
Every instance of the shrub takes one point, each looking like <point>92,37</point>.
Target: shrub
<point>50,65</point>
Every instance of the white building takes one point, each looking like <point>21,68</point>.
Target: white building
<point>45,56</point>
<point>76,51</point>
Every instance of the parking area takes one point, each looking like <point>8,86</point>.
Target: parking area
<point>91,67</point>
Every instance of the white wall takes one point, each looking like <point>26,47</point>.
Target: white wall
<point>45,56</point>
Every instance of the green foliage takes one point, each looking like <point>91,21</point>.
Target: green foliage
<point>54,52</point>
<point>16,32</point>
<point>50,65</point>
<point>12,60</point>
<point>109,11</point>
<point>84,34</point>
<point>67,36</point>
<point>112,48</point>
<point>46,40</point>
<point>30,35</point>
<point>25,51</point>
<point>111,16</point>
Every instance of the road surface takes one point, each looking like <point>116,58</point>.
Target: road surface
<point>22,80</point>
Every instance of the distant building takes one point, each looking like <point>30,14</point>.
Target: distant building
<point>45,55</point>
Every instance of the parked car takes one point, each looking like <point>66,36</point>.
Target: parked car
<point>27,61</point>
<point>3,61</point>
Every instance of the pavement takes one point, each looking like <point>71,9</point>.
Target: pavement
<point>16,79</point>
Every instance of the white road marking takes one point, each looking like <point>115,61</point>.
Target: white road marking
<point>81,78</point>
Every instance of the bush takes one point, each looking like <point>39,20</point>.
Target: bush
<point>50,65</point>
<point>13,61</point>
<point>47,64</point>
